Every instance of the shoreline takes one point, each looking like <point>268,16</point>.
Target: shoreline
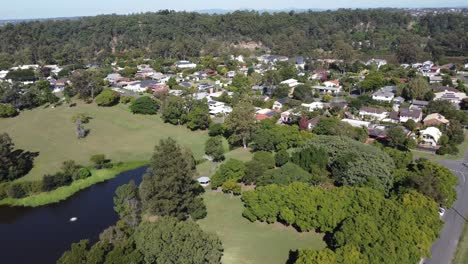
<point>65,192</point>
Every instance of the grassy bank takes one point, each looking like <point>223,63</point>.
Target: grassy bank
<point>245,242</point>
<point>114,131</point>
<point>461,257</point>
<point>65,192</point>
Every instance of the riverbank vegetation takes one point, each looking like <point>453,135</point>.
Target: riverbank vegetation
<point>65,192</point>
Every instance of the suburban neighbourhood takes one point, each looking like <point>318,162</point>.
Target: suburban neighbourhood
<point>239,137</point>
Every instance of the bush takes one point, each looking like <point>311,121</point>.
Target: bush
<point>3,190</point>
<point>7,111</point>
<point>144,105</point>
<point>98,160</point>
<point>126,99</point>
<point>83,173</point>
<point>281,158</point>
<point>231,186</point>
<point>216,130</point>
<point>52,182</point>
<point>16,190</point>
<point>107,98</point>
<point>81,116</point>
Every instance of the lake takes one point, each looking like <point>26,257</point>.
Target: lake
<point>42,234</point>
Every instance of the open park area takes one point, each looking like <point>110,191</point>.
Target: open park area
<point>114,131</point>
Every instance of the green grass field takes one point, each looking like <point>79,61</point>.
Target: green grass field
<point>248,243</point>
<point>115,132</point>
<point>461,257</point>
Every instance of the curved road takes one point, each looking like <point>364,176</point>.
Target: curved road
<point>444,248</point>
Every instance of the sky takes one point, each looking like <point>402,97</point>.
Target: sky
<point>20,9</point>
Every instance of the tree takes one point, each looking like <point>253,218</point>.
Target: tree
<point>230,170</point>
<point>261,162</point>
<point>325,256</point>
<point>171,241</point>
<point>343,50</point>
<point>419,87</point>
<point>240,124</point>
<point>127,204</point>
<point>144,105</point>
<point>168,188</point>
<point>373,81</point>
<point>396,138</point>
<point>312,159</point>
<point>77,254</point>
<point>410,125</point>
<point>173,110</point>
<point>14,163</point>
<point>281,157</point>
<point>107,98</point>
<point>281,91</point>
<point>464,104</point>
<point>435,181</point>
<point>287,174</point>
<point>231,186</point>
<point>216,130</point>
<point>199,116</point>
<point>7,111</point>
<point>303,93</point>
<point>214,148</point>
<point>84,84</point>
<point>172,83</point>
<point>447,81</point>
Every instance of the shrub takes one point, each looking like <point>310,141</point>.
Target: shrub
<point>83,173</point>
<point>144,105</point>
<point>281,158</point>
<point>126,99</point>
<point>16,190</point>
<point>231,186</point>
<point>52,182</point>
<point>3,190</point>
<point>81,116</point>
<point>7,111</point>
<point>98,160</point>
<point>107,98</point>
<point>216,130</point>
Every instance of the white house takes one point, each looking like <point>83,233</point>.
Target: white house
<point>204,181</point>
<point>3,74</point>
<point>329,90</point>
<point>314,106</point>
<point>378,62</point>
<point>291,82</point>
<point>430,136</point>
<point>278,104</point>
<point>183,64</point>
<point>383,96</point>
<point>356,123</point>
<point>453,97</point>
<point>407,114</point>
<point>231,74</point>
<point>373,113</point>
<point>333,83</point>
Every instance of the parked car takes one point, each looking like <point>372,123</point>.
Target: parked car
<point>441,211</point>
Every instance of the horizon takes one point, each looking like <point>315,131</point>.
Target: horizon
<point>49,9</point>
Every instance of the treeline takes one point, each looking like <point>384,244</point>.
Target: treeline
<point>170,34</point>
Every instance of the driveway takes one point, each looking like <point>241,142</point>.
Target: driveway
<point>443,250</point>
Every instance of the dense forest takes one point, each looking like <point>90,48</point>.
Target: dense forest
<point>170,34</point>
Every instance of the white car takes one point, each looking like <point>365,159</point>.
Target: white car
<point>441,211</point>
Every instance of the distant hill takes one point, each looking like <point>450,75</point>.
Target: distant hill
<point>16,21</point>
<point>226,11</point>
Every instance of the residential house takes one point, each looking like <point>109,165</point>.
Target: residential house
<point>435,119</point>
<point>383,96</point>
<point>141,86</point>
<point>183,64</point>
<point>453,97</point>
<point>278,104</point>
<point>328,90</point>
<point>435,79</point>
<point>407,114</point>
<point>319,75</point>
<point>332,83</point>
<point>314,106</point>
<point>231,74</point>
<point>263,114</point>
<point>418,104</point>
<point>3,74</point>
<point>291,82</point>
<point>300,62</point>
<point>59,85</point>
<point>287,117</point>
<point>160,88</point>
<point>373,113</point>
<point>430,136</point>
<point>313,122</point>
<point>356,123</point>
<point>378,62</point>
<point>113,78</point>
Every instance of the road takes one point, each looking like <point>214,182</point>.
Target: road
<point>445,247</point>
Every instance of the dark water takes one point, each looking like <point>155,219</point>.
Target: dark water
<point>41,235</point>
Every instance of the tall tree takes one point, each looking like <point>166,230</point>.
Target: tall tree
<point>168,188</point>
<point>240,124</point>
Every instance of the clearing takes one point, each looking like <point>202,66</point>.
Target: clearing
<point>114,131</point>
<point>248,243</point>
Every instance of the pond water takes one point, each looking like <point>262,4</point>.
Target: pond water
<point>42,234</point>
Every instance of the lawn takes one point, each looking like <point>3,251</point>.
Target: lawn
<point>114,131</point>
<point>247,243</point>
<point>208,168</point>
<point>461,257</point>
